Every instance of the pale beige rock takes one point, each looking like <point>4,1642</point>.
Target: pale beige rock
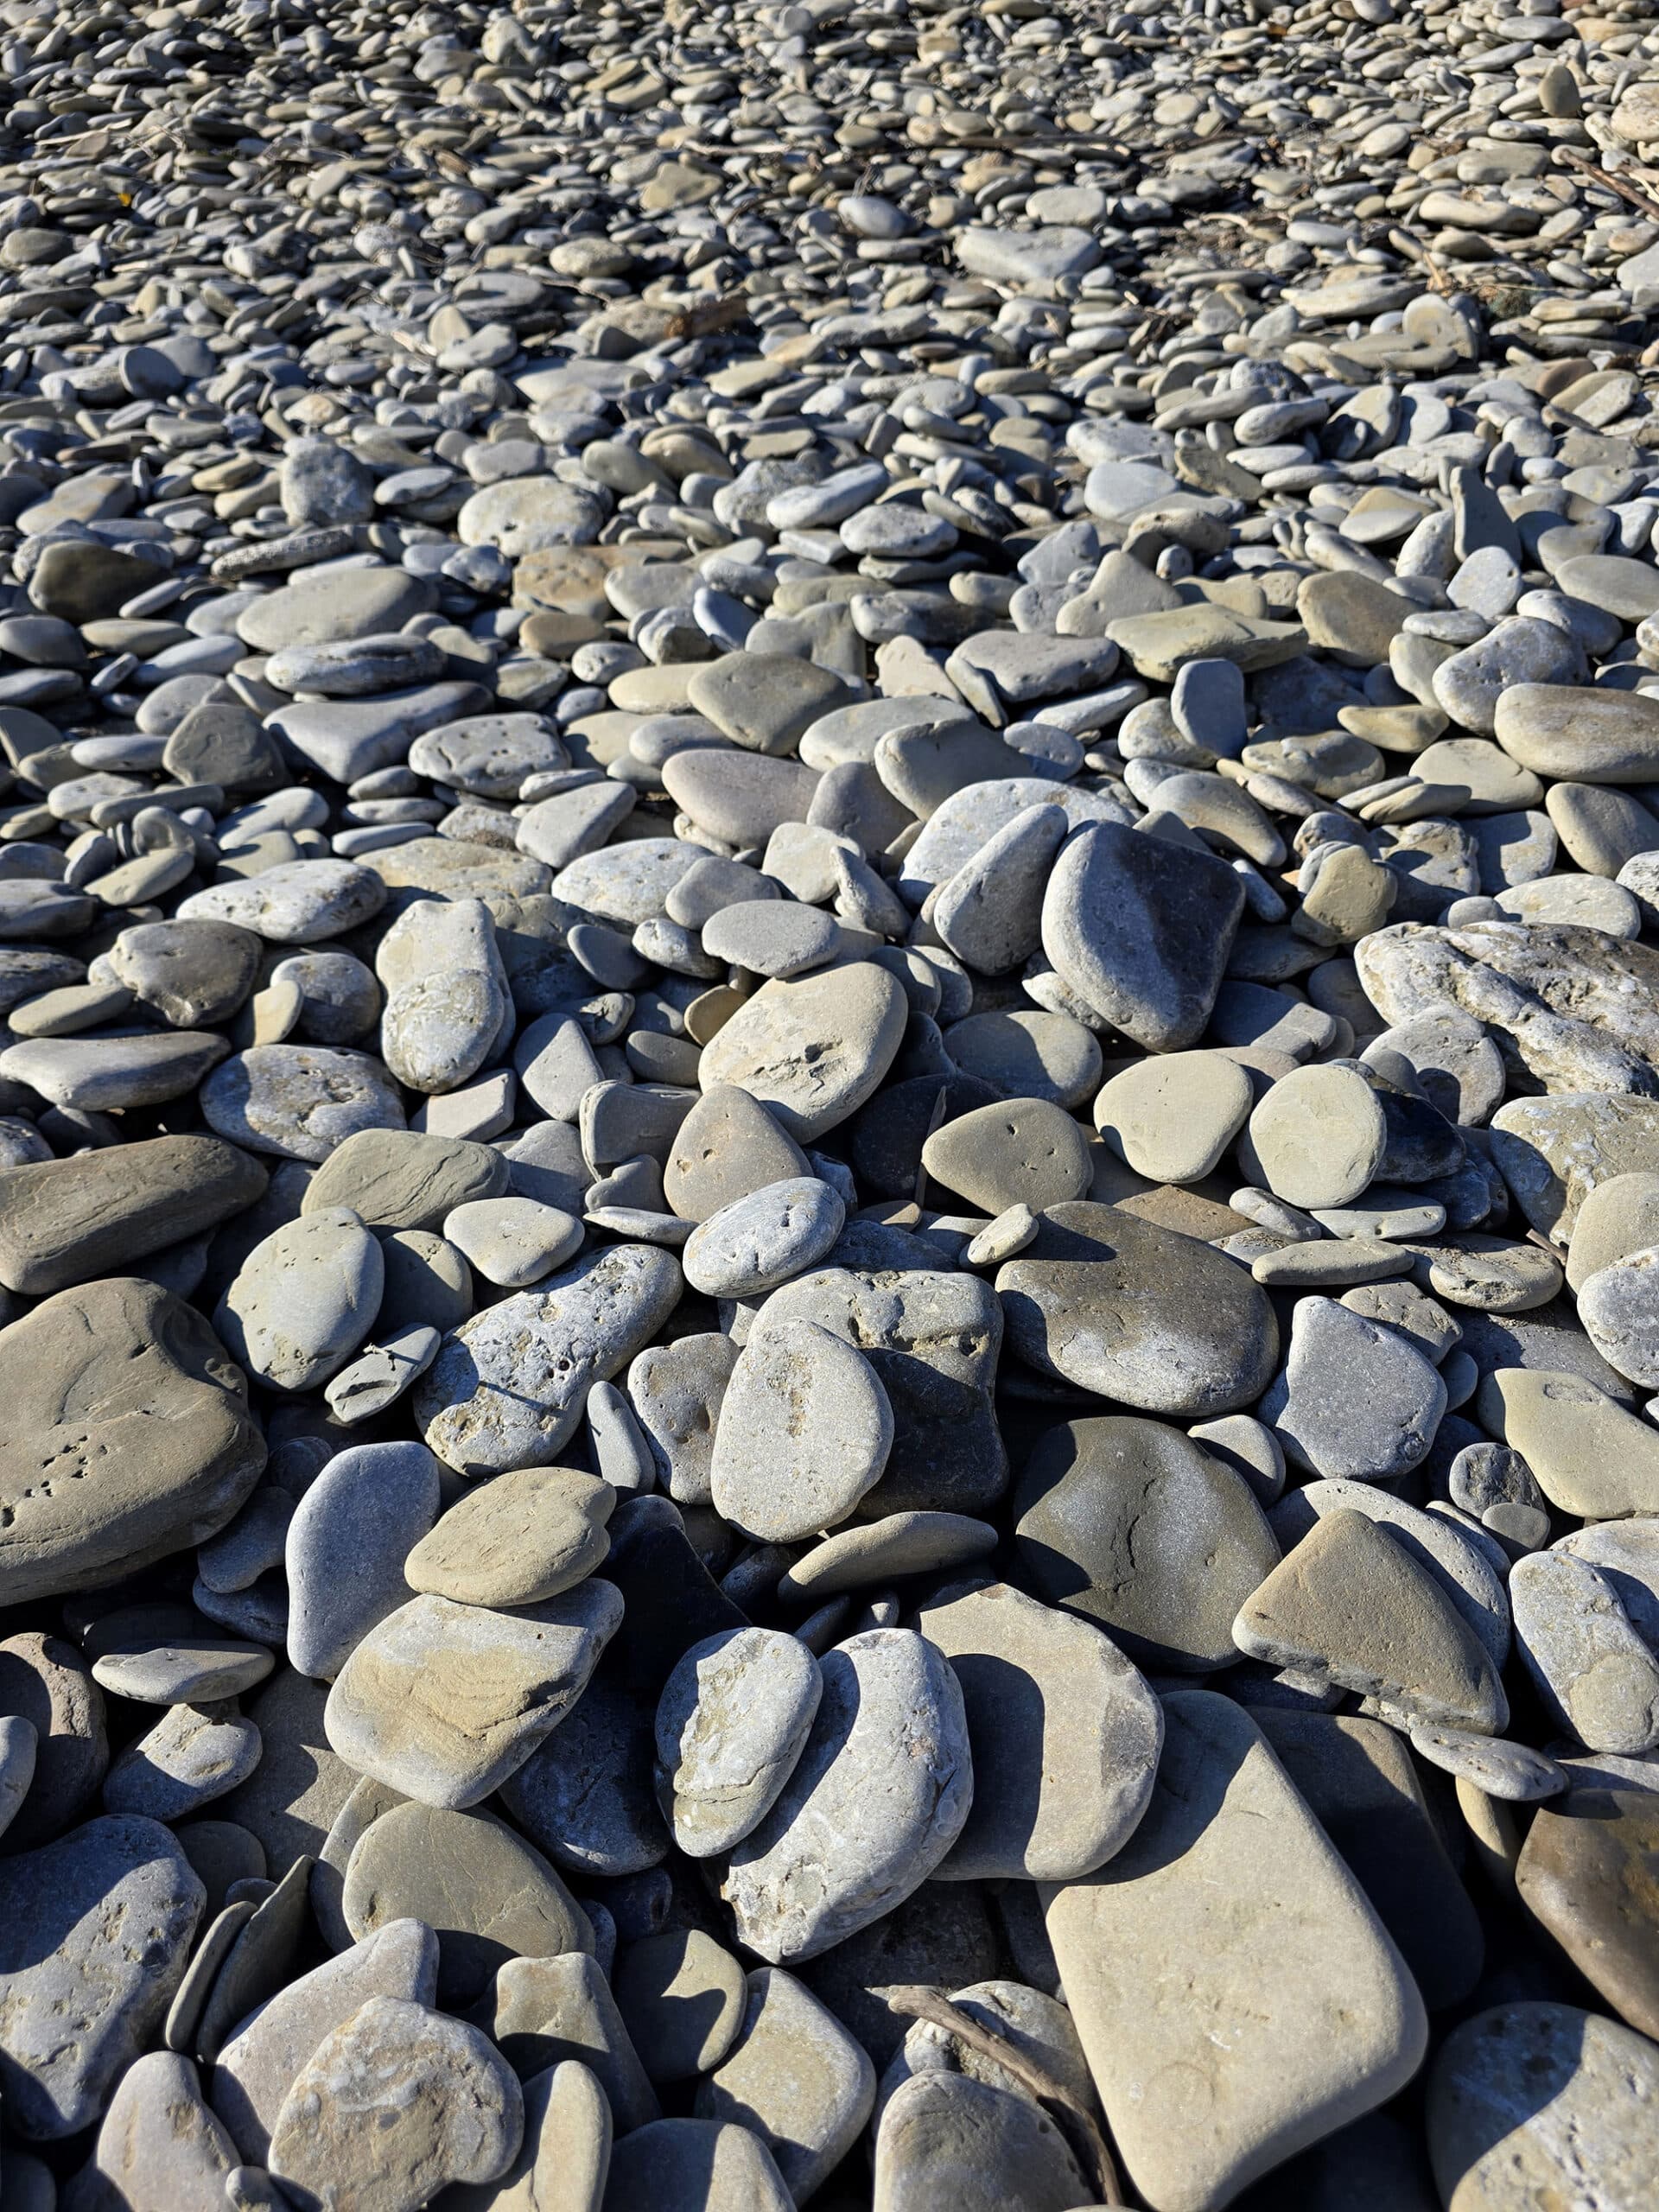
<point>1234,1992</point>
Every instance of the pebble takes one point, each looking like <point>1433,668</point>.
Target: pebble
<point>1532,2095</point>
<point>732,1721</point>
<point>397,2101</point>
<point>445,1701</point>
<point>1034,631</point>
<point>879,1793</point>
<point>1128,1523</point>
<point>797,1385</point>
<point>1063,1733</point>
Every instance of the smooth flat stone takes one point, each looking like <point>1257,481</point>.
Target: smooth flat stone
<point>834,1853</point>
<point>157,1420</point>
<point>731,1722</point>
<point>444,1701</point>
<point>1138,1314</point>
<point>1125,1522</point>
<point>1531,2099</point>
<point>1229,1885</point>
<point>1064,1733</point>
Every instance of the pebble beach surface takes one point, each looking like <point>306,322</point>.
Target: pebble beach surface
<point>829,1106</point>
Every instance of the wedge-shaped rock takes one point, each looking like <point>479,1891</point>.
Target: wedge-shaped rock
<point>1141,929</point>
<point>1351,1604</point>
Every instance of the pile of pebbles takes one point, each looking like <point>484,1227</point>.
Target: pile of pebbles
<point>829,1103</point>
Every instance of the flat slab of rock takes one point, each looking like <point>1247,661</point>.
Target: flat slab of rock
<point>68,1221</point>
<point>1135,1313</point>
<point>444,1701</point>
<point>123,1393</point>
<point>79,1997</point>
<point>1131,1524</point>
<point>1227,1962</point>
<point>1533,2100</point>
<point>1064,1733</point>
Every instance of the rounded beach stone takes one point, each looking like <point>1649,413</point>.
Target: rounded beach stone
<point>1130,1311</point>
<point>125,1401</point>
<point>1618,1306</point>
<point>486,1894</point>
<point>1618,1216</point>
<point>728,1146</point>
<point>1229,1902</point>
<point>68,1221</point>
<point>369,1506</point>
<point>1356,1399</point>
<point>543,2011</point>
<point>405,1179</point>
<point>255,2070</point>
<point>158,2139</point>
<point>303,1299</point>
<point>760,1240</point>
<point>813,1050</point>
<point>393,2104</point>
<point>46,1683</point>
<point>1584,1874</point>
<point>194,1754</point>
<point>870,1553</point>
<point>946,2141</point>
<point>692,2166</point>
<point>795,2078</point>
<point>1063,1733</point>
<point>525,1536</point>
<point>1532,2100</point>
<point>80,1999</point>
<point>513,1242</point>
<point>680,1996</point>
<point>1598,1679</point>
<point>797,1385</point>
<point>1140,930</point>
<point>1021,1151</point>
<point>1318,1138</point>
<point>584,1795</point>
<point>880,1794</point>
<point>1127,1523</point>
<point>731,1722</point>
<point>299,1101</point>
<point>444,1701</point>
<point>1174,1117</point>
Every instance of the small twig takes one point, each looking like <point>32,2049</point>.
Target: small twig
<point>1633,193</point>
<point>916,2001</point>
